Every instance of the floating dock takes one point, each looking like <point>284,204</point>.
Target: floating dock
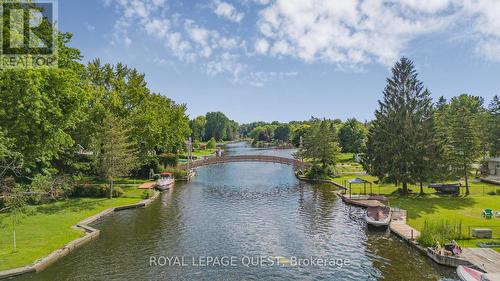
<point>147,185</point>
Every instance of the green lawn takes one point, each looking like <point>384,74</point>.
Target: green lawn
<point>118,181</point>
<point>204,152</point>
<point>464,209</point>
<point>476,188</point>
<point>467,209</point>
<point>48,227</point>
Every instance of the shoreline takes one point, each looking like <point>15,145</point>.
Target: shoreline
<point>407,234</point>
<point>90,234</point>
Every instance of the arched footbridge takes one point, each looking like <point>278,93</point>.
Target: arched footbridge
<point>297,164</point>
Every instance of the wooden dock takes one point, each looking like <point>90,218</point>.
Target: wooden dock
<point>486,259</point>
<point>360,201</point>
<point>147,185</point>
<point>399,227</point>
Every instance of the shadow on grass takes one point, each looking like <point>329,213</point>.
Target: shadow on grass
<point>70,205</point>
<point>421,205</point>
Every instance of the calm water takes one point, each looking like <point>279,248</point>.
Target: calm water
<point>244,211</point>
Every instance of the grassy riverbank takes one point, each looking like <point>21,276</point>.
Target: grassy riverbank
<point>431,207</point>
<point>47,227</point>
<point>464,209</point>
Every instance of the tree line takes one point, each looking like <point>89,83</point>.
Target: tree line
<point>95,119</point>
<point>214,125</point>
<point>414,140</point>
<point>351,135</point>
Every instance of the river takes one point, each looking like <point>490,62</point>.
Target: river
<point>243,221</point>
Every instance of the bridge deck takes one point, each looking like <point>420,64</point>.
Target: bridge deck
<point>246,158</point>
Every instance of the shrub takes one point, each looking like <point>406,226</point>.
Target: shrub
<point>319,172</point>
<point>151,163</point>
<point>178,173</point>
<point>441,232</point>
<point>117,191</point>
<point>169,159</point>
<point>147,194</point>
<point>211,144</point>
<point>96,191</point>
<point>494,192</point>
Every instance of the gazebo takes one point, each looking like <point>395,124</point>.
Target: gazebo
<point>359,181</point>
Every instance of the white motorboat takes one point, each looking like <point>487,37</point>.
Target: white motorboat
<point>165,181</point>
<point>468,274</point>
<point>378,216</point>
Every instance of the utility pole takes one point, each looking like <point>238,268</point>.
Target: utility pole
<point>189,144</point>
<point>301,157</point>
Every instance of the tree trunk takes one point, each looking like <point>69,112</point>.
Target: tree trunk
<point>467,192</point>
<point>111,189</point>
<point>14,233</point>
<point>421,188</point>
<point>405,188</point>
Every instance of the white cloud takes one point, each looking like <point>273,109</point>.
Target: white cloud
<point>357,32</point>
<point>346,33</point>
<point>261,46</point>
<point>259,79</point>
<point>227,10</point>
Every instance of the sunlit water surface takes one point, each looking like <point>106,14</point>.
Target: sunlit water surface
<point>244,211</point>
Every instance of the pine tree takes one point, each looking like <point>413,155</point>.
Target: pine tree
<point>494,127</point>
<point>321,144</point>
<point>400,140</point>
<point>118,157</point>
<point>462,134</point>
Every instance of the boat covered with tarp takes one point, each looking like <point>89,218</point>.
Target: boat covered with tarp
<point>378,215</point>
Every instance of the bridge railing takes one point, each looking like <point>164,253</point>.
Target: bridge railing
<point>246,158</point>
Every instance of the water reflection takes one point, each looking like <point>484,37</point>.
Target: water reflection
<point>243,210</point>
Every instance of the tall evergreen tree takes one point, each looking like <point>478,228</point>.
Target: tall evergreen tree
<point>494,127</point>
<point>461,133</point>
<point>397,144</point>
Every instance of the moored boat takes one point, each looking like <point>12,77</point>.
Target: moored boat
<point>378,216</point>
<point>165,181</point>
<point>468,274</point>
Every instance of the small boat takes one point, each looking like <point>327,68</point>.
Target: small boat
<point>378,216</point>
<point>165,181</point>
<point>468,274</point>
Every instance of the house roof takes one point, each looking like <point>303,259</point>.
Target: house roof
<point>357,180</point>
<point>494,159</point>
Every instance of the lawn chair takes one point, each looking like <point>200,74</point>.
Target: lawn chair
<point>488,213</point>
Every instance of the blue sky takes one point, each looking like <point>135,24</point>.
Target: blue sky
<point>291,59</point>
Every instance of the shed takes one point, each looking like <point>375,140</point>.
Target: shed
<point>494,166</point>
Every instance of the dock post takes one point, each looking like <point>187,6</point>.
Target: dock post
<point>412,234</point>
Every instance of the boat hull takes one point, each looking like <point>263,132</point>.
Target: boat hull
<point>378,223</point>
<point>379,216</point>
<point>468,274</point>
<point>164,185</point>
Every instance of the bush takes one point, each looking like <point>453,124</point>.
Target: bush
<point>151,163</point>
<point>178,173</point>
<point>169,159</point>
<point>319,172</point>
<point>117,192</point>
<point>96,191</point>
<point>147,194</point>
<point>441,232</point>
<point>494,192</point>
<point>211,144</point>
